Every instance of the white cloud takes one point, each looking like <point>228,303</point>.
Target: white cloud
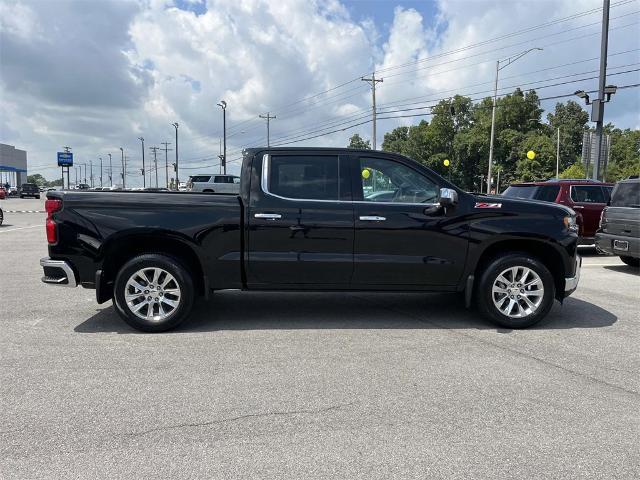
<point>131,68</point>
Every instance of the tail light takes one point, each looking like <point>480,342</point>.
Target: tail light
<point>52,206</point>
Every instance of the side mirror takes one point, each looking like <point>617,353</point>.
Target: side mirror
<point>448,197</point>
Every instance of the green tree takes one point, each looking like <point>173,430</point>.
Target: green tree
<point>572,121</point>
<point>624,158</point>
<point>356,141</point>
<point>542,167</point>
<point>396,140</point>
<point>37,179</point>
<point>574,171</point>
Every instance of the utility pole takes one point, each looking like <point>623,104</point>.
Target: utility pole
<point>166,160</point>
<point>144,182</point>
<point>597,112</point>
<point>124,167</point>
<point>558,156</point>
<point>372,81</point>
<point>508,61</point>
<point>155,161</point>
<point>223,105</point>
<point>110,171</point>
<point>100,171</point>
<point>267,117</point>
<point>175,166</point>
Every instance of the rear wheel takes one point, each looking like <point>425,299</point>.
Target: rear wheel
<point>516,290</point>
<point>1,216</point>
<point>153,293</point>
<point>631,261</point>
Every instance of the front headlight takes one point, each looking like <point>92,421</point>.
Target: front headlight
<point>570,223</point>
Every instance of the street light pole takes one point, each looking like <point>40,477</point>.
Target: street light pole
<point>144,181</point>
<point>123,168</point>
<point>223,105</point>
<point>110,171</point>
<point>176,164</point>
<point>508,61</point>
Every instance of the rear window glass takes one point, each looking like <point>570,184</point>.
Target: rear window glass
<point>521,191</point>
<point>200,178</point>
<point>626,195</point>
<point>587,194</point>
<point>305,177</point>
<point>222,179</point>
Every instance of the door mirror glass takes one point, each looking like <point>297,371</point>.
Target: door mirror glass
<point>448,197</point>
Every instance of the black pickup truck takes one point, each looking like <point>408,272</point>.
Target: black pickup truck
<point>313,219</point>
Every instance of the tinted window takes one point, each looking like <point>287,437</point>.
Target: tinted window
<point>389,181</point>
<point>222,179</point>
<point>607,193</point>
<point>547,193</point>
<point>200,178</point>
<point>626,195</point>
<point>305,177</point>
<point>587,194</point>
<point>520,191</point>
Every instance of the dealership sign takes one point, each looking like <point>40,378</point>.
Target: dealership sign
<point>65,159</point>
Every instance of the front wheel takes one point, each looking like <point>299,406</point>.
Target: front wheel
<point>516,290</point>
<point>631,261</point>
<point>153,293</point>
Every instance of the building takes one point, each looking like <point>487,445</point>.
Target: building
<point>13,165</point>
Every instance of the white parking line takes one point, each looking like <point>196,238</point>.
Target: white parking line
<point>21,228</point>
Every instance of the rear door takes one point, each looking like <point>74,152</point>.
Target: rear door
<point>588,201</point>
<point>403,239</point>
<point>300,221</point>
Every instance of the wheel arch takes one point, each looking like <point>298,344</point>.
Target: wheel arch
<point>118,251</point>
<point>544,251</point>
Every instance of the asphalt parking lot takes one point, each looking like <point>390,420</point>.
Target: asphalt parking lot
<point>273,385</point>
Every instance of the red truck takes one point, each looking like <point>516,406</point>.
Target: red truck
<point>586,197</point>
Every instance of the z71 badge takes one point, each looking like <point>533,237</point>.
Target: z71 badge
<point>488,205</point>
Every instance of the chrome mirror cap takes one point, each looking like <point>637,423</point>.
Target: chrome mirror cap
<point>448,197</point>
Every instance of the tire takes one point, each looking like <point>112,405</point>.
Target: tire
<point>631,261</point>
<point>208,191</point>
<point>505,266</point>
<point>38,197</point>
<point>142,267</point>
<point>1,217</point>
<point>21,196</point>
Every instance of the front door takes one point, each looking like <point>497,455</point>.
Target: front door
<point>300,222</point>
<point>403,238</point>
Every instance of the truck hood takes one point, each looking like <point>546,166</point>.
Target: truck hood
<point>521,204</point>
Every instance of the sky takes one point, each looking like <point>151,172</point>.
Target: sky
<point>97,75</point>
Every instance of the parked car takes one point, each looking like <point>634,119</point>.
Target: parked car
<point>619,232</point>
<point>3,193</point>
<point>586,197</point>
<point>214,184</point>
<point>29,190</point>
<point>301,222</point>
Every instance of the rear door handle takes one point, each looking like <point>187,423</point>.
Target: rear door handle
<point>372,218</point>
<point>268,216</point>
<point>577,206</point>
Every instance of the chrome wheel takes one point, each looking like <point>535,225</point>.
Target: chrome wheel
<point>152,294</point>
<point>517,292</point>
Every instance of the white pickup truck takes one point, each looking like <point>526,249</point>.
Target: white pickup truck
<point>214,184</point>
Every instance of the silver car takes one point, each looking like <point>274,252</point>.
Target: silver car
<point>214,183</point>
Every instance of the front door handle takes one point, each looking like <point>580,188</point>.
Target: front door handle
<point>268,216</point>
<point>372,218</point>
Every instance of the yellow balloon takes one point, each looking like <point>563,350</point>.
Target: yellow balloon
<point>531,154</point>
<point>366,173</point>
<point>446,162</point>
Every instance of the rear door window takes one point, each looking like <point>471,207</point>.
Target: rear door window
<point>626,195</point>
<point>200,178</point>
<point>587,194</point>
<point>306,177</point>
<point>547,193</point>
